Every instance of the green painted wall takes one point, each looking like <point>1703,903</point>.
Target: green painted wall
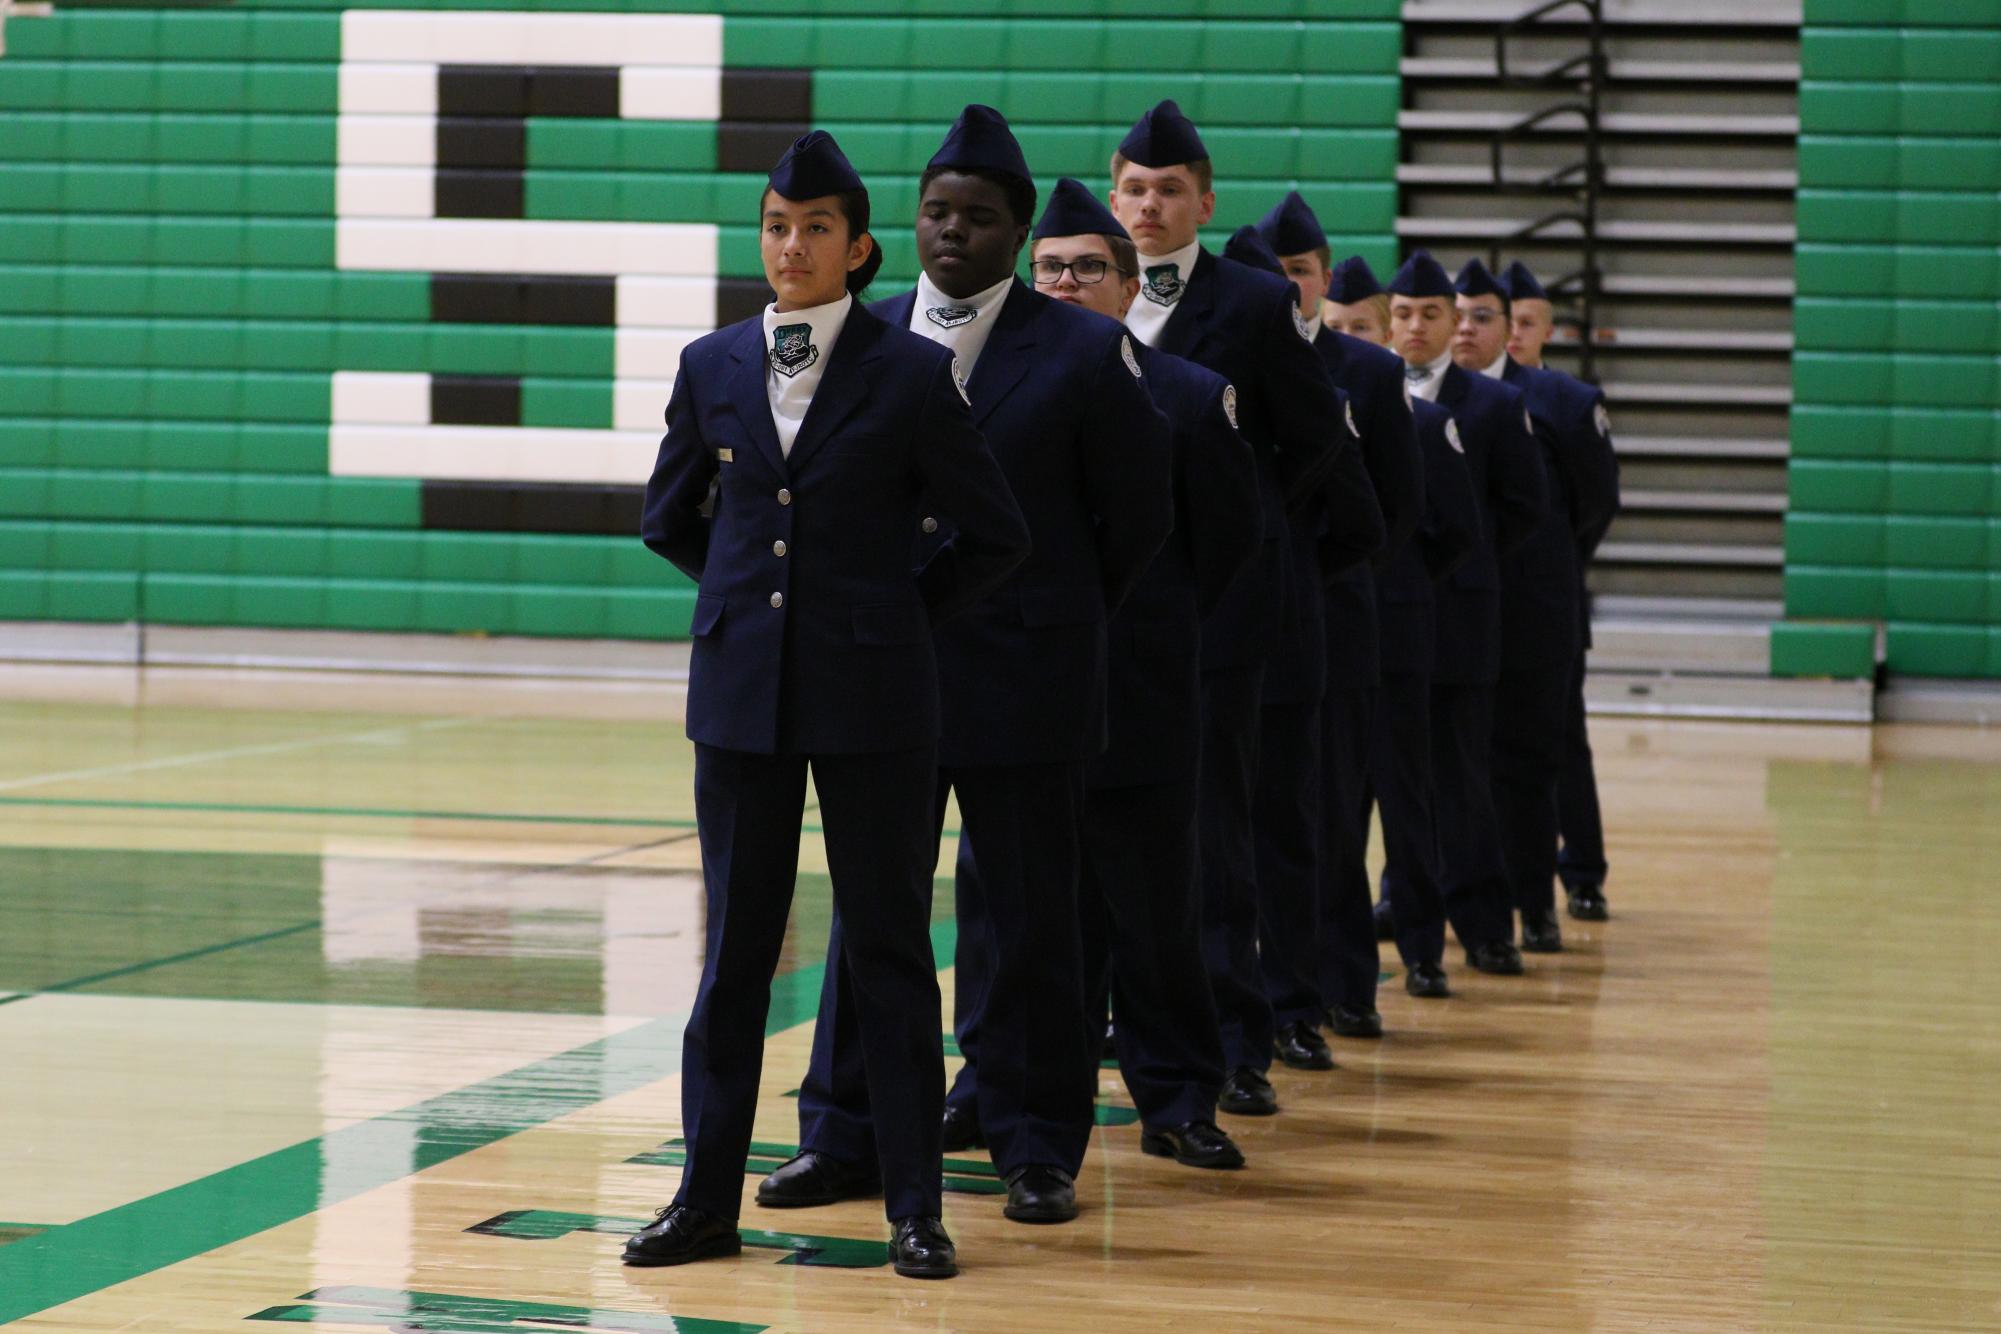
<point>1895,514</point>
<point>172,316</point>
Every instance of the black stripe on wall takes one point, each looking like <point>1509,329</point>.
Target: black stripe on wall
<point>527,90</point>
<point>754,146</point>
<point>740,298</point>
<point>784,95</point>
<point>532,507</point>
<point>478,193</point>
<point>502,298</point>
<point>475,400</point>
<point>482,141</point>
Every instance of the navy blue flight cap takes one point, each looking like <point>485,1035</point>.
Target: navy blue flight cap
<point>1163,138</point>
<point>1352,280</point>
<point>814,167</point>
<point>1421,276</point>
<point>1247,245</point>
<point>1074,211</point>
<point>1476,279</point>
<point>1290,228</point>
<point>980,140</point>
<point>1521,284</point>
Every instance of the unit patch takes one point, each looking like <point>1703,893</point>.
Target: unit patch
<point>1452,435</point>
<point>1604,420</point>
<point>1163,285</point>
<point>792,349</point>
<point>1353,430</point>
<point>951,317</point>
<point>1126,351</point>
<point>1230,404</point>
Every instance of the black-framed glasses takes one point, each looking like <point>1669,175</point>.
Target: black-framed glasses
<point>1088,270</point>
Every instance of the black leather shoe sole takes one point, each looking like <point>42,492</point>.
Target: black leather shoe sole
<point>1496,962</point>
<point>1427,986</point>
<point>961,1132</point>
<point>1303,1058</point>
<point>1254,1105</point>
<point>1355,1026</point>
<point>1540,944</point>
<point>708,1249</point>
<point>1043,1210</point>
<point>1589,908</point>
<point>1167,1146</point>
<point>811,1193</point>
<point>929,1269</point>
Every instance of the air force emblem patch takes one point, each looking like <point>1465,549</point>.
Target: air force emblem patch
<point>1604,420</point>
<point>1349,408</point>
<point>951,317</point>
<point>1163,285</point>
<point>959,382</point>
<point>792,349</point>
<point>1307,327</point>
<point>1452,436</point>
<point>1230,404</point>
<point>1126,351</point>
<point>1528,422</point>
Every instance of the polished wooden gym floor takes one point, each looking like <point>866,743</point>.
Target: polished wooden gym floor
<point>357,1003</point>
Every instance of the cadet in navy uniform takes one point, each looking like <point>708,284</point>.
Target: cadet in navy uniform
<point>1372,377</point>
<point>1239,323</point>
<point>1142,923</point>
<point>1398,780</point>
<point>799,449</point>
<point>1508,479</point>
<point>1580,861</point>
<point>1058,392</point>
<point>1541,590</point>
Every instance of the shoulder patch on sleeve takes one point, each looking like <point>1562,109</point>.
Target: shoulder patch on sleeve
<point>1452,435</point>
<point>1349,408</point>
<point>1126,351</point>
<point>959,381</point>
<point>1604,420</point>
<point>1230,405</point>
<point>1528,422</point>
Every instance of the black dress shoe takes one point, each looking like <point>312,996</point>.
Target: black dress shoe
<point>1499,957</point>
<point>1301,1048</point>
<point>1247,1093</point>
<point>1039,1193</point>
<point>962,1130</point>
<point>1386,922</point>
<point>1348,1022</point>
<point>1587,904</point>
<point>1426,980</point>
<point>811,1178</point>
<point>679,1234</point>
<point>919,1248</point>
<point>1540,933</point>
<point>1193,1144</point>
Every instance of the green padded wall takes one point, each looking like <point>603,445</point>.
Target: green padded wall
<point>1895,512</point>
<point>241,384</point>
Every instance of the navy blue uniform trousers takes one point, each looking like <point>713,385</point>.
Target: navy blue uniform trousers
<point>1142,932</point>
<point>1290,839</point>
<point>1346,963</point>
<point>1580,862</point>
<point>1020,970</point>
<point>1472,871</point>
<point>882,843</point>
<point>1232,718</point>
<point>1530,731</point>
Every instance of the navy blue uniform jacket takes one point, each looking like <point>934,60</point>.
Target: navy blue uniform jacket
<point>1075,432</point>
<point>1238,321</point>
<point>1541,583</point>
<point>1156,638</point>
<point>1448,534</point>
<point>812,631</point>
<point>1373,379</point>
<point>1505,463</point>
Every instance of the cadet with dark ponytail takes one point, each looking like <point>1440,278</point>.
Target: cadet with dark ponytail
<point>812,650</point>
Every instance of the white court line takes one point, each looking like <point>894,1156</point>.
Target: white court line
<point>237,752</point>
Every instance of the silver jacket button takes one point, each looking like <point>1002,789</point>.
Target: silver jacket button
<point>930,525</point>
<point>777,600</point>
<point>778,548</point>
<point>784,496</point>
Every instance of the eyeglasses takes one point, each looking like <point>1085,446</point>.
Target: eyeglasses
<point>1088,270</point>
<point>1483,315</point>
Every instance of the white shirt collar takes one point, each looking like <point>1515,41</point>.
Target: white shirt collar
<point>1159,296</point>
<point>1499,369</point>
<point>965,334</point>
<point>790,387</point>
<point>1426,387</point>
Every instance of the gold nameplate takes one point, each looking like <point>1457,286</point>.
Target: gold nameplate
<point>726,456</point>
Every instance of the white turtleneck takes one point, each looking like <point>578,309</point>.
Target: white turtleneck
<point>790,388</point>
<point>1153,308</point>
<point>1426,386</point>
<point>943,319</point>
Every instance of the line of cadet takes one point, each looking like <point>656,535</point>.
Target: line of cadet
<point>1213,555</point>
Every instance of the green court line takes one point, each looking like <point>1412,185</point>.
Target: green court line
<point>358,812</point>
<point>184,1221</point>
<point>185,955</point>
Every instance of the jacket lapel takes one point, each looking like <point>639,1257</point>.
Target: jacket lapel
<point>844,384</point>
<point>1452,389</point>
<point>1190,320</point>
<point>1009,352</point>
<point>749,397</point>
